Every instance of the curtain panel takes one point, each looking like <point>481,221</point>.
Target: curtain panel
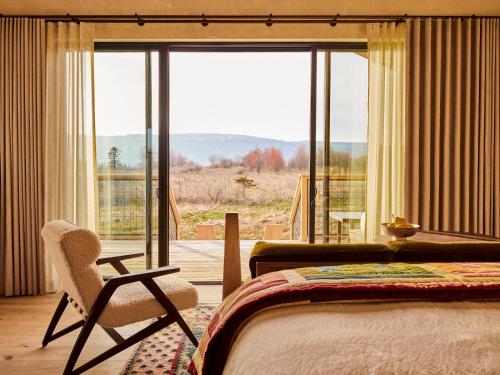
<point>22,126</point>
<point>386,129</point>
<point>453,125</point>
<point>70,176</point>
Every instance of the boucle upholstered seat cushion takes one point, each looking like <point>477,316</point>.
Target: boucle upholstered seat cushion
<point>133,302</point>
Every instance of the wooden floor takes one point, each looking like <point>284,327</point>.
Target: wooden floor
<point>198,260</point>
<point>23,321</point>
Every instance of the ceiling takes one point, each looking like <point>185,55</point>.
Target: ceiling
<point>243,32</point>
<point>369,7</point>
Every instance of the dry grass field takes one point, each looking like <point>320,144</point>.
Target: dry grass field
<point>204,195</point>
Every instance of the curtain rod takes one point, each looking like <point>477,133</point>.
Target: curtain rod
<point>267,19</point>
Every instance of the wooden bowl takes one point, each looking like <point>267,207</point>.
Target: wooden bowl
<point>400,234</point>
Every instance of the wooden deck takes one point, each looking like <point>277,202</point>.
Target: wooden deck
<point>198,260</point>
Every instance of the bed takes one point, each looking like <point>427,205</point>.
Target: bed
<point>373,318</point>
<point>375,338</point>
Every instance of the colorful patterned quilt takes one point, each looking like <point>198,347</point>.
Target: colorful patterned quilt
<point>370,282</point>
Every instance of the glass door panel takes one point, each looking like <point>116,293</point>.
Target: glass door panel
<point>239,142</point>
<point>342,128</point>
<point>123,125</point>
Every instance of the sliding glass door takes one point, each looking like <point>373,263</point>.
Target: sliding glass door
<point>186,133</point>
<point>126,120</point>
<point>238,141</point>
<point>342,129</point>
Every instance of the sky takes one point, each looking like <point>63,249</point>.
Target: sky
<point>258,94</point>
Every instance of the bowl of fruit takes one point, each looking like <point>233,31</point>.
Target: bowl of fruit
<point>400,229</point>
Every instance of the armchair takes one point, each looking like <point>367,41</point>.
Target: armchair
<point>125,299</point>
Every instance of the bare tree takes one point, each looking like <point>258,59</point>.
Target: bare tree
<point>245,183</point>
<point>300,160</point>
<point>114,157</point>
<point>219,161</point>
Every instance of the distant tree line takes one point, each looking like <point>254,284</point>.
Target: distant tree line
<point>219,161</point>
<point>257,159</point>
<point>342,161</point>
<point>179,160</point>
<point>114,162</point>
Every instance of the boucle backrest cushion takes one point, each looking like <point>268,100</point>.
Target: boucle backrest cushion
<point>74,252</point>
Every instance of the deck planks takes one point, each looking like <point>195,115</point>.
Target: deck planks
<point>198,260</point>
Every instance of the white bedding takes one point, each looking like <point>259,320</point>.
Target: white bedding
<point>370,338</point>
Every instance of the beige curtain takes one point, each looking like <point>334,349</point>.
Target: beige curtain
<point>453,125</point>
<point>386,129</point>
<point>22,73</point>
<point>70,176</point>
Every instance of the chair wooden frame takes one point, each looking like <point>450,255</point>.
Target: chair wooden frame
<point>125,277</point>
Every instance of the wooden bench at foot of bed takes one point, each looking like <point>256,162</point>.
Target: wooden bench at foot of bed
<point>268,257</point>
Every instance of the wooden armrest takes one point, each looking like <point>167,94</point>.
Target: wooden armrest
<point>140,276</point>
<point>118,258</point>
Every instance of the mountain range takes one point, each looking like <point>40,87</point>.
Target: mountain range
<point>199,147</point>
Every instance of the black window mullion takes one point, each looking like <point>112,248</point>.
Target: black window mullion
<point>163,158</point>
<point>312,148</point>
<point>149,163</point>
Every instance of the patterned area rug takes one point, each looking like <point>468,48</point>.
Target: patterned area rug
<point>169,351</point>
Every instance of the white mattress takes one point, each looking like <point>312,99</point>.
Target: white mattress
<point>370,338</point>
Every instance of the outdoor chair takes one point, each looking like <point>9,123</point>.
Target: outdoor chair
<point>205,232</point>
<point>273,232</point>
<point>121,300</point>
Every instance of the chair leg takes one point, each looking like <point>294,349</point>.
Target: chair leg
<point>129,341</point>
<point>68,329</point>
<point>55,319</point>
<point>170,308</point>
<point>142,334</point>
<point>171,317</point>
<point>182,323</point>
<point>113,333</point>
<point>79,344</point>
